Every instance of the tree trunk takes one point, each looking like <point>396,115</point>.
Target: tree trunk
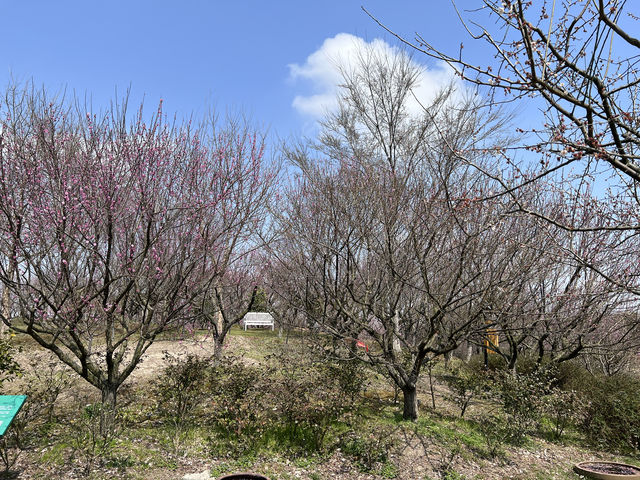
<point>395,341</point>
<point>6,309</point>
<point>108,409</point>
<point>468,353</point>
<point>109,395</point>
<point>218,343</point>
<point>6,295</point>
<point>433,394</point>
<point>219,321</point>
<point>485,355</point>
<point>410,409</point>
<point>513,362</point>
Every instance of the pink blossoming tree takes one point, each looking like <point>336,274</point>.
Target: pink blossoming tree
<point>111,226</point>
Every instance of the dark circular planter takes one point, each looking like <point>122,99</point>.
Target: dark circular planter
<point>607,471</point>
<point>243,476</point>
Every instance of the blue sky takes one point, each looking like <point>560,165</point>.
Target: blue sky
<point>250,56</point>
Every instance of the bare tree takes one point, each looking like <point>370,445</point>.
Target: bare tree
<point>579,57</point>
<point>577,63</point>
<point>547,302</point>
<point>381,229</point>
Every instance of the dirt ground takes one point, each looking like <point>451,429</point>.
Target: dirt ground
<point>153,361</point>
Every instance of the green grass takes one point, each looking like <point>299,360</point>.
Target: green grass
<point>451,430</point>
<point>388,470</point>
<point>253,332</point>
<point>147,443</point>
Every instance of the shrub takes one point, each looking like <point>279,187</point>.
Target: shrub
<point>612,412</point>
<point>564,408</point>
<point>9,368</point>
<point>95,432</point>
<point>607,408</point>
<point>522,399</point>
<point>498,430</point>
<point>441,457</point>
<point>292,399</point>
<point>464,384</point>
<point>238,408</point>
<point>495,362</point>
<point>310,394</point>
<point>572,375</point>
<point>43,384</point>
<point>348,376</point>
<point>179,391</point>
<point>369,447</point>
<point>10,443</point>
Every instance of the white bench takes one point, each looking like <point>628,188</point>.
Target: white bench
<point>258,319</point>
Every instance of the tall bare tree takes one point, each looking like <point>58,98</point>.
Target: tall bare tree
<point>579,57</point>
<point>381,228</point>
<point>576,63</point>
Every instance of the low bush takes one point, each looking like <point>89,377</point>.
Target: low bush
<point>522,397</point>
<point>612,412</point>
<point>564,408</point>
<point>179,391</point>
<point>9,368</point>
<point>367,446</point>
<point>180,388</point>
<point>605,408</point>
<point>237,406</point>
<point>572,375</point>
<point>526,399</point>
<point>465,384</point>
<point>291,400</point>
<point>309,393</point>
<point>96,430</point>
<point>43,383</point>
<point>498,430</point>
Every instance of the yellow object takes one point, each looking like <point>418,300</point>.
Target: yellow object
<point>492,342</point>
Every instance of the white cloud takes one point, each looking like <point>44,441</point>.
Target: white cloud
<point>321,72</point>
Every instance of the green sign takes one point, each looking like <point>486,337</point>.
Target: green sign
<point>9,408</point>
